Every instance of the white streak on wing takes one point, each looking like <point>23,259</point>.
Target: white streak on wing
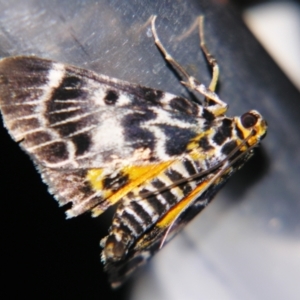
<point>58,139</point>
<point>71,154</point>
<point>32,102</point>
<point>56,74</point>
<point>167,98</point>
<point>88,155</point>
<point>165,117</point>
<point>98,96</point>
<point>123,100</point>
<point>78,208</point>
<point>27,117</point>
<point>85,129</point>
<point>65,110</point>
<point>55,77</point>
<point>63,164</point>
<point>160,139</point>
<point>23,134</point>
<point>70,101</point>
<point>30,149</point>
<point>76,118</point>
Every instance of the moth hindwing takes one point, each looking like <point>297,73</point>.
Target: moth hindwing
<point>99,142</point>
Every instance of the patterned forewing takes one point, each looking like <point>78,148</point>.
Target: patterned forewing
<point>86,131</point>
<point>90,134</point>
<point>70,118</point>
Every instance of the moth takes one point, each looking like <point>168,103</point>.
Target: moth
<point>99,142</point>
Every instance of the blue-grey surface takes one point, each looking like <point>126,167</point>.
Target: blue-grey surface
<point>246,244</point>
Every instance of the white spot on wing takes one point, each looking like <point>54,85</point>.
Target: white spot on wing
<point>98,96</point>
<point>55,75</point>
<point>109,134</point>
<point>123,100</point>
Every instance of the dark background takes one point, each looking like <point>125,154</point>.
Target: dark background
<point>247,243</point>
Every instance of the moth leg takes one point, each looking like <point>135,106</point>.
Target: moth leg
<point>209,57</point>
<point>212,101</point>
<point>168,57</point>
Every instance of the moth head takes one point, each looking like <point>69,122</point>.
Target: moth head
<point>251,126</point>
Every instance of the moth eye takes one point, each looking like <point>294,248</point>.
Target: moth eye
<point>248,120</point>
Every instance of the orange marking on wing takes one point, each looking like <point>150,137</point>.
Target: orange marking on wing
<point>173,213</point>
<point>137,175</point>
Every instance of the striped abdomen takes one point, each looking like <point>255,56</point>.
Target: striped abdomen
<point>145,205</point>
